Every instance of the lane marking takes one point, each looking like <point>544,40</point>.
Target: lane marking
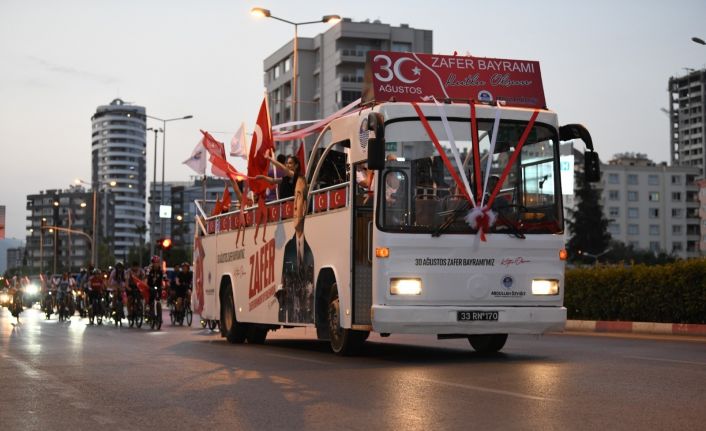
<point>297,358</point>
<point>489,390</point>
<point>676,361</point>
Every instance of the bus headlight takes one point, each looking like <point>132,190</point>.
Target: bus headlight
<point>545,287</point>
<point>405,286</point>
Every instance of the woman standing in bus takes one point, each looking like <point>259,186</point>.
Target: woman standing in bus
<point>286,184</point>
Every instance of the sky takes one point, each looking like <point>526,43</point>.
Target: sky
<point>604,63</point>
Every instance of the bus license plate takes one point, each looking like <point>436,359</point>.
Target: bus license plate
<point>474,316</point>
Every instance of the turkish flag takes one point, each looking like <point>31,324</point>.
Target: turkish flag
<point>321,202</point>
<point>302,160</point>
<point>226,169</point>
<point>215,149</point>
<point>261,144</point>
<point>216,208</point>
<point>287,210</point>
<point>142,286</point>
<point>225,202</point>
<point>337,198</point>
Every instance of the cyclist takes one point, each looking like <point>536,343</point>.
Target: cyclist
<point>182,286</point>
<point>64,287</point>
<point>155,278</point>
<point>15,293</point>
<point>96,283</point>
<point>117,282</point>
<point>133,292</point>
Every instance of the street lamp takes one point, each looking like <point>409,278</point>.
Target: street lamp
<point>594,256</point>
<point>94,248</point>
<point>698,40</point>
<point>164,140</point>
<point>327,19</point>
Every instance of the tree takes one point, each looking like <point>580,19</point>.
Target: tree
<point>588,225</point>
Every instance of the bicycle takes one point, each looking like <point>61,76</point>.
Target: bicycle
<point>117,311</point>
<point>95,311</point>
<point>136,316</point>
<point>155,309</point>
<point>188,313</point>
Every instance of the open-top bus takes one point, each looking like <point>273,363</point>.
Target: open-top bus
<point>458,233</point>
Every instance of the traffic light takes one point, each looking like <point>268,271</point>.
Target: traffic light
<point>165,243</point>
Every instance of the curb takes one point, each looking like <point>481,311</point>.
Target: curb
<point>691,329</point>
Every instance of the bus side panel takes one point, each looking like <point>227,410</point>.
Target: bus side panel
<point>207,293</point>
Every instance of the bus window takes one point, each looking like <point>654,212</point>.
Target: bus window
<point>396,201</point>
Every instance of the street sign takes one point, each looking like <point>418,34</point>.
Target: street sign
<point>165,211</point>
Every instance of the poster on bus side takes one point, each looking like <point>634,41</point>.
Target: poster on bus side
<point>413,77</point>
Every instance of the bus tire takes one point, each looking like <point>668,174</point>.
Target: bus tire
<point>256,334</point>
<point>487,343</point>
<point>344,342</point>
<point>234,332</point>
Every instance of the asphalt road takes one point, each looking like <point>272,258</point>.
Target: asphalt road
<point>73,376</point>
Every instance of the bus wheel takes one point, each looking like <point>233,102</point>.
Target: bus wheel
<point>256,334</point>
<point>343,341</point>
<point>234,332</point>
<point>487,343</point>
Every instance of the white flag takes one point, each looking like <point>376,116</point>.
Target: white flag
<point>238,145</point>
<point>197,161</point>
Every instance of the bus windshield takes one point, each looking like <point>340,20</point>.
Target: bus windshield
<point>417,192</point>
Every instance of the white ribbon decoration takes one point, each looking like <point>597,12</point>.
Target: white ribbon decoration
<point>454,150</point>
<point>489,163</point>
<point>474,215</point>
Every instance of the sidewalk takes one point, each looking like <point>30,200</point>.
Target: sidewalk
<point>636,327</point>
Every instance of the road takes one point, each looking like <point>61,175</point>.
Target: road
<point>70,375</point>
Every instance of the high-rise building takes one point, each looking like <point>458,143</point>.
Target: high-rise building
<point>687,111</point>
<point>181,195</point>
<point>331,67</point>
<point>119,166</point>
<point>67,248</point>
<point>652,206</point>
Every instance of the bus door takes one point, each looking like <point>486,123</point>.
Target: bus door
<point>361,246</point>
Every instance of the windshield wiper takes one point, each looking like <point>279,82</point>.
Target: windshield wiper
<point>451,218</point>
<point>463,207</point>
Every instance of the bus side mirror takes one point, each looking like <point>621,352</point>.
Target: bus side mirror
<point>376,145</point>
<point>591,165</point>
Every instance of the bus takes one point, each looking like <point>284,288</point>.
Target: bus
<point>423,211</point>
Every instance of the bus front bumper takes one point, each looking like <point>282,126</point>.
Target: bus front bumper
<point>445,320</point>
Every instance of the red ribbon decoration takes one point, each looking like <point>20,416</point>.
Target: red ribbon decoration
<point>514,156</point>
<point>483,222</point>
<point>441,151</point>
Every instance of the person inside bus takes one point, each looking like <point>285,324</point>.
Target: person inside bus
<point>296,297</point>
<point>291,172</point>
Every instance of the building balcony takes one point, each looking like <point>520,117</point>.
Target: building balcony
<point>349,55</point>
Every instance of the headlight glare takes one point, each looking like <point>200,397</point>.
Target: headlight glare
<point>405,286</point>
<point>545,287</point>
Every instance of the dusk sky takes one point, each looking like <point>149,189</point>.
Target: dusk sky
<point>604,64</point>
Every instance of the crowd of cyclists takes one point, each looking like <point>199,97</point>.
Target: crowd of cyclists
<point>119,293</point>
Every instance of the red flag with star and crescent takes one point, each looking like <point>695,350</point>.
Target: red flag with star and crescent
<point>261,144</point>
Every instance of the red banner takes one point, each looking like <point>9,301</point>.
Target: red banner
<point>337,198</point>
<point>320,202</point>
<point>287,210</point>
<point>411,77</point>
<point>273,212</point>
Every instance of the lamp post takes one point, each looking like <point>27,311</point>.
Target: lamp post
<point>94,248</point>
<point>152,192</point>
<point>328,19</point>
<point>698,40</point>
<point>164,146</point>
